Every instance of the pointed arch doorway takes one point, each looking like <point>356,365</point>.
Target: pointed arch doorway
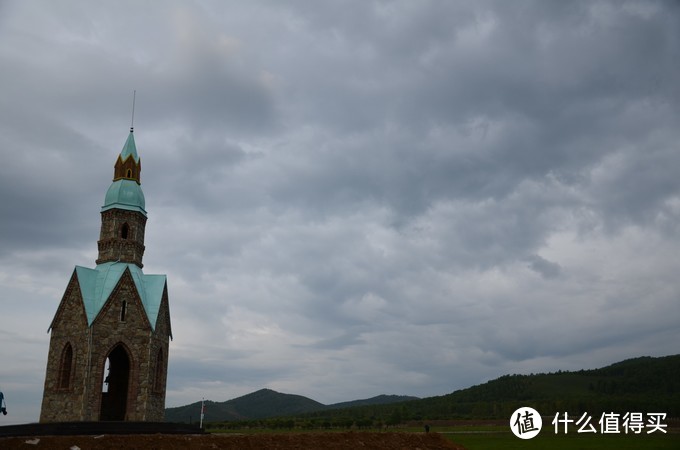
<point>115,384</point>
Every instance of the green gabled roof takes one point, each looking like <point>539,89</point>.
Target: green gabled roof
<point>97,284</point>
<point>129,149</point>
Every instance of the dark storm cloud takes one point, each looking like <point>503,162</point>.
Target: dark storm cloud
<point>43,149</point>
<point>527,110</point>
<point>543,266</point>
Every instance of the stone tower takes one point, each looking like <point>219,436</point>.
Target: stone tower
<point>108,355</point>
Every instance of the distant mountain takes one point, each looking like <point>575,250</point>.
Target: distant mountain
<point>263,404</point>
<point>643,384</point>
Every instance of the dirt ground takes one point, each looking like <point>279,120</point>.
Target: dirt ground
<point>348,440</point>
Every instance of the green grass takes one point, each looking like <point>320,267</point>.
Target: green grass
<point>508,441</point>
<point>492,437</point>
<point>495,436</point>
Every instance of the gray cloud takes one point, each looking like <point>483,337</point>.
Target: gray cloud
<point>351,200</point>
<point>544,267</point>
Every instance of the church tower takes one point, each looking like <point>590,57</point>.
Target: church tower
<point>108,355</point>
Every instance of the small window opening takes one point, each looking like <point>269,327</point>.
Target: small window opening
<point>128,174</point>
<point>123,310</point>
<point>125,231</point>
<point>65,369</point>
<point>158,379</point>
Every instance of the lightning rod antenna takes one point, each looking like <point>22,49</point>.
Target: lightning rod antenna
<point>132,122</point>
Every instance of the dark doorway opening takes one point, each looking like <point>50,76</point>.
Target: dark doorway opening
<point>115,385</point>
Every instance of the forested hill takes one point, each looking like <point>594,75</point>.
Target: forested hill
<point>643,384</point>
<point>646,375</point>
<point>640,384</point>
<point>262,404</point>
<point>259,404</point>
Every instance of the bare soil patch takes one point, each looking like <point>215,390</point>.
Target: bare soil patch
<point>348,440</point>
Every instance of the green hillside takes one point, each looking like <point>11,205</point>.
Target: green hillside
<point>637,385</point>
<point>379,400</point>
<point>643,384</point>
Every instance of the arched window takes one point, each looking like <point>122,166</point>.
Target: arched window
<point>158,379</point>
<point>128,174</point>
<point>124,231</point>
<point>65,367</point>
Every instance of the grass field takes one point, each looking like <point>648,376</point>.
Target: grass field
<point>571,441</point>
<point>492,437</point>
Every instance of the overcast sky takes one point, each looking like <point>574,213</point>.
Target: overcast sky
<point>350,198</point>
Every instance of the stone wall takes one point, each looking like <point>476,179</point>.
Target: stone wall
<point>112,246</point>
<point>69,327</point>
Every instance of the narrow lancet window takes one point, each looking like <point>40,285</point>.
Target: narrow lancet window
<point>158,379</point>
<point>65,368</point>
<point>125,231</point>
<point>123,311</point>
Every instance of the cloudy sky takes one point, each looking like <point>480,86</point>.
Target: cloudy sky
<point>351,198</point>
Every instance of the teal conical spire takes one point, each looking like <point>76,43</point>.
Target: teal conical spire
<point>129,149</point>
